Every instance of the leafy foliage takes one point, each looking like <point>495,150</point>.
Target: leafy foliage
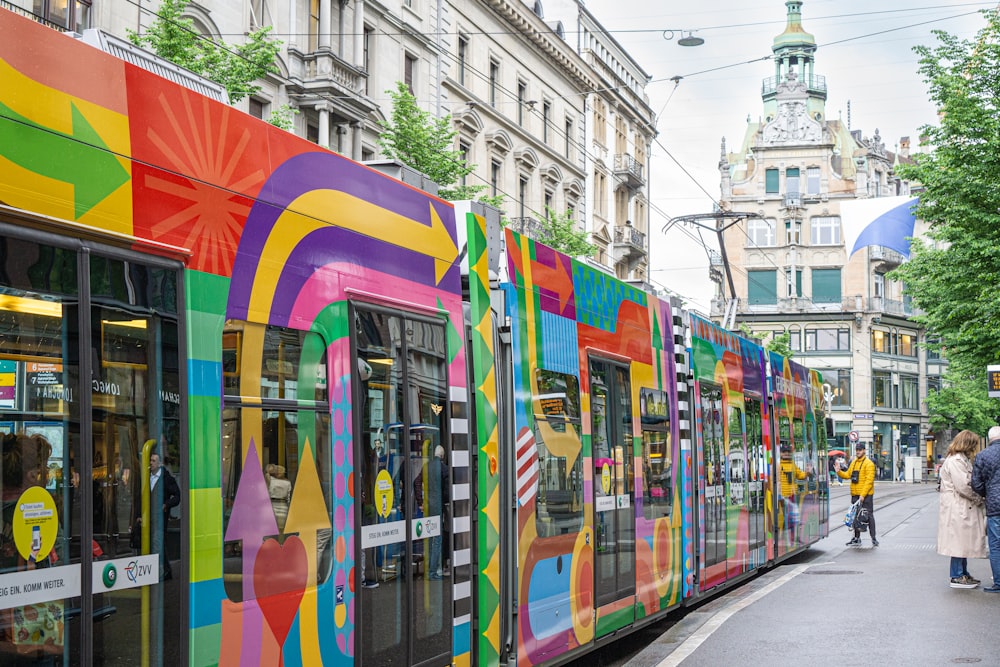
<point>780,343</point>
<point>174,38</point>
<point>961,403</point>
<point>953,279</point>
<point>417,139</point>
<point>561,232</point>
<point>283,117</point>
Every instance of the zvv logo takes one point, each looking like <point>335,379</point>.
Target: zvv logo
<point>110,575</point>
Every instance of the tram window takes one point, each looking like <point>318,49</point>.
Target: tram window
<point>559,499</point>
<point>285,370</point>
<point>657,461</point>
<point>798,434</point>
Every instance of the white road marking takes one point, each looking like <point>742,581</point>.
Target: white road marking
<point>691,644</point>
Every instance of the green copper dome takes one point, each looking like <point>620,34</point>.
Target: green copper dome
<point>794,35</point>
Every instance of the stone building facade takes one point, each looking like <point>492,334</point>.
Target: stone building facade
<point>792,273</point>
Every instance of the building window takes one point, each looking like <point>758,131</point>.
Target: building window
<point>771,181</point>
<point>839,380</point>
<point>828,340</point>
<point>907,347</point>
<point>522,195</point>
<point>880,341</point>
<point>409,73</point>
<point>313,27</point>
<point>621,136</point>
<point>600,194</point>
<point>463,152</point>
<point>882,389</point>
<point>257,108</point>
<point>761,232</point>
<point>463,54</point>
<point>621,206</point>
<point>494,81</point>
<point>600,122</point>
<point>367,47</point>
<point>793,283</point>
<point>878,290</point>
<point>933,383</point>
<point>522,91</point>
<point>812,180</point>
<point>826,285</point>
<point>795,339</point>
<point>825,230</point>
<point>909,392</point>
<point>792,181</point>
<point>933,349</point>
<point>549,202</point>
<point>546,118</point>
<point>793,232</point>
<point>762,287</point>
<point>71,15</point>
<point>569,138</point>
<point>495,184</point>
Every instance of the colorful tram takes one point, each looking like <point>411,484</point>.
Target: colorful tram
<point>400,434</point>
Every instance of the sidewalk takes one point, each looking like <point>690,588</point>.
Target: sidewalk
<point>843,606</point>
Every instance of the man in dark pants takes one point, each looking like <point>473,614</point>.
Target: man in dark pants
<point>165,494</point>
<point>861,472</point>
<point>986,482</point>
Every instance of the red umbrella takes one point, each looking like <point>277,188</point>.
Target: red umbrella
<point>836,452</point>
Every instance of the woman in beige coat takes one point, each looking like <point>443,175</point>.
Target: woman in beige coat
<point>961,517</point>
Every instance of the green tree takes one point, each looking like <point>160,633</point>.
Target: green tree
<point>173,37</point>
<point>780,343</point>
<point>961,403</point>
<point>953,278</point>
<point>418,140</point>
<point>561,232</point>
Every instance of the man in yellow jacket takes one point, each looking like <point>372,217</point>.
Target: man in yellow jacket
<point>861,472</point>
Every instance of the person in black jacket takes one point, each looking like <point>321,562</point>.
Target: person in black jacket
<point>986,482</point>
<point>165,494</point>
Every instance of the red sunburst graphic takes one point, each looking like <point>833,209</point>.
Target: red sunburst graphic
<point>199,164</point>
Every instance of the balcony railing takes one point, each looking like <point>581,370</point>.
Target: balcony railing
<point>629,169</point>
<point>528,227</point>
<point>883,254</point>
<point>792,200</point>
<point>815,83</point>
<point>805,305</point>
<point>629,235</point>
<point>34,17</point>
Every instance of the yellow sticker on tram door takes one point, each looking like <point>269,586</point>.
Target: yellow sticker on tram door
<point>383,493</point>
<point>36,523</point>
<point>606,478</point>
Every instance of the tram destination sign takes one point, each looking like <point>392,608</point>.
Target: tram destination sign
<point>993,381</point>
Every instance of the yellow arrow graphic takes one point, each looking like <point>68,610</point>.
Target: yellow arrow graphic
<point>319,208</point>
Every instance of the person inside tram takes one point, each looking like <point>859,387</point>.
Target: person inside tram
<point>438,499</point>
<point>279,488</point>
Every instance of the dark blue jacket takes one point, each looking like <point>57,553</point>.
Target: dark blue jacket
<point>986,477</point>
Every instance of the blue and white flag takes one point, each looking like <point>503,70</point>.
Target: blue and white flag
<point>883,221</point>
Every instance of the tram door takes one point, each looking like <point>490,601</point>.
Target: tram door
<point>403,486</point>
<point>613,452</point>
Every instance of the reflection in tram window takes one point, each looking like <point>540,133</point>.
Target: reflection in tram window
<point>286,370</point>
<point>657,473</point>
<point>560,467</point>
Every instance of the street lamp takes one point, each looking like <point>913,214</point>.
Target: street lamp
<point>689,40</point>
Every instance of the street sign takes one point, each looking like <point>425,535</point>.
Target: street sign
<point>993,381</point>
<point>853,436</point>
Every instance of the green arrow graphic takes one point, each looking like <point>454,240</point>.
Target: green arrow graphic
<point>81,159</point>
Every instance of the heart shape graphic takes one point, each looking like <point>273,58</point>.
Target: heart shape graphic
<point>280,573</point>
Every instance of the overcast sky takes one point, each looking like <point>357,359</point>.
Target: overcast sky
<point>864,51</point>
